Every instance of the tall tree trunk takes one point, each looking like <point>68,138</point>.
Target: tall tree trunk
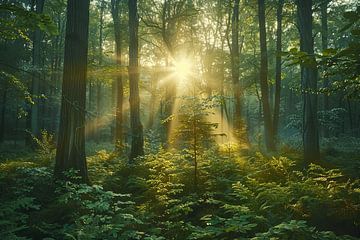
<point>153,92</point>
<point>235,64</point>
<point>35,83</point>
<point>58,64</point>
<point>116,15</point>
<point>324,43</point>
<point>278,69</point>
<point>3,112</point>
<point>264,86</point>
<point>98,127</point>
<point>70,152</point>
<point>99,94</point>
<point>309,83</point>
<point>137,139</point>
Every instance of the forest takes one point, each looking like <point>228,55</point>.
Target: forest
<point>180,119</point>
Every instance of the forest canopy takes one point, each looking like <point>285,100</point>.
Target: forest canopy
<point>179,119</point>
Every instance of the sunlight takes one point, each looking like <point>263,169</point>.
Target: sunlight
<point>183,69</point>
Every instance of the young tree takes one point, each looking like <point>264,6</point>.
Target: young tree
<point>309,83</point>
<point>268,125</point>
<point>137,139</point>
<point>70,152</point>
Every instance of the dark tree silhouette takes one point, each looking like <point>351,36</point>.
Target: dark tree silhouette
<point>137,139</point>
<point>70,152</point>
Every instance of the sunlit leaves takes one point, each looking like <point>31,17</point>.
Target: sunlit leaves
<point>19,21</point>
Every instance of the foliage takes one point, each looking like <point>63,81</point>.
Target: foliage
<point>257,197</point>
<point>97,214</point>
<point>45,147</point>
<point>296,230</point>
<point>21,20</point>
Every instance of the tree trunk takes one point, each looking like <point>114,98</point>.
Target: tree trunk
<point>98,123</point>
<point>235,64</point>
<point>35,83</point>
<point>278,69</point>
<point>3,112</point>
<point>115,11</point>
<point>153,92</point>
<point>309,83</point>
<point>99,94</point>
<point>324,43</point>
<point>137,139</point>
<point>70,152</point>
<point>264,87</point>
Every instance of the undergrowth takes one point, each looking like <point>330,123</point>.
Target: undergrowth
<point>236,197</point>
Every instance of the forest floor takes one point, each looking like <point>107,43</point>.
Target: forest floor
<point>235,196</point>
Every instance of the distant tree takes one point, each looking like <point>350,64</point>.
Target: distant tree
<point>137,138</point>
<point>264,86</point>
<point>324,46</point>
<point>36,63</point>
<point>276,116</point>
<point>116,15</point>
<point>70,153</point>
<point>235,66</point>
<point>99,85</point>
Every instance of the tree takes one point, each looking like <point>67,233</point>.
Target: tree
<point>137,139</point>
<point>99,87</point>
<point>324,45</point>
<point>276,116</point>
<point>116,13</point>
<point>264,87</point>
<point>70,152</point>
<point>235,64</point>
<point>35,84</point>
<point>309,82</point>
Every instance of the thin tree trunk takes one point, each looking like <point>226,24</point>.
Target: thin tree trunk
<point>309,84</point>
<point>35,83</point>
<point>97,128</point>
<point>324,43</point>
<point>116,15</point>
<point>235,64</point>
<point>278,69</point>
<point>70,152</point>
<point>137,139</point>
<point>264,87</point>
<point>351,120</point>
<point>99,95</point>
<point>3,112</point>
<point>153,86</point>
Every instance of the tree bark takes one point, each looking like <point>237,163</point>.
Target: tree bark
<point>116,15</point>
<point>70,153</point>
<point>324,43</point>
<point>137,139</point>
<point>309,83</point>
<point>264,86</point>
<point>99,95</point>
<point>153,92</point>
<point>35,83</point>
<point>3,112</point>
<point>235,64</point>
<point>278,69</point>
